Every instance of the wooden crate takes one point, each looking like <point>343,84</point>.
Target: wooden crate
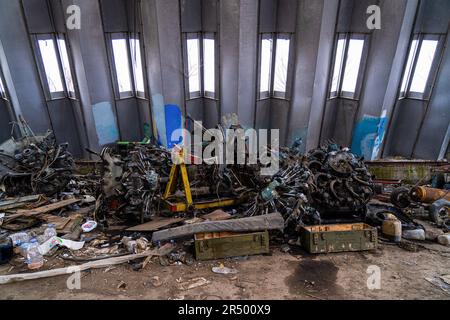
<point>218,245</point>
<point>339,238</point>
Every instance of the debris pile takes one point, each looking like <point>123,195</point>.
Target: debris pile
<point>136,203</point>
<point>34,164</point>
<point>343,182</point>
<point>132,177</point>
<point>329,182</point>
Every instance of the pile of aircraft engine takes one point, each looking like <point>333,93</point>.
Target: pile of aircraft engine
<point>327,184</point>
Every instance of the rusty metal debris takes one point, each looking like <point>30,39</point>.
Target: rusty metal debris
<point>328,181</point>
<point>343,182</point>
<point>133,175</point>
<point>34,164</point>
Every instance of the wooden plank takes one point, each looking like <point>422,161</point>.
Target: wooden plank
<point>43,209</point>
<point>83,211</point>
<point>59,222</point>
<point>18,202</point>
<point>166,249</point>
<point>155,224</point>
<point>259,223</point>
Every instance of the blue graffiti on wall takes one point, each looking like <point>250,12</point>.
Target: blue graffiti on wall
<point>380,136</point>
<point>158,110</point>
<point>173,122</point>
<point>105,123</point>
<point>367,134</point>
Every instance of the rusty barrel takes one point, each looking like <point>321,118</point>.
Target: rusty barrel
<point>429,195</point>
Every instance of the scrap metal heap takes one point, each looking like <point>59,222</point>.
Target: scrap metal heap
<point>288,192</point>
<point>342,181</point>
<point>132,180</point>
<point>35,165</point>
<point>328,182</point>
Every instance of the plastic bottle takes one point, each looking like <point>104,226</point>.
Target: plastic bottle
<point>50,231</point>
<point>35,260</point>
<point>19,238</point>
<point>24,249</point>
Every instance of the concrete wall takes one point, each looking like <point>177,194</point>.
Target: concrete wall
<point>19,58</point>
<point>418,127</point>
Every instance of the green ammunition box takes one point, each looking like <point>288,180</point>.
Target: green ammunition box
<point>218,245</point>
<point>338,238</point>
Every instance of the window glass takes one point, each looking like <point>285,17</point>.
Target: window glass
<point>122,64</point>
<point>2,88</point>
<point>137,64</point>
<point>353,61</point>
<point>208,65</point>
<point>51,66</point>
<point>411,54</point>
<point>281,65</point>
<point>337,64</point>
<point>193,56</point>
<point>266,59</point>
<point>66,66</point>
<point>423,66</point>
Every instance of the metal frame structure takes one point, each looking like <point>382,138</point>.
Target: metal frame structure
<point>189,203</point>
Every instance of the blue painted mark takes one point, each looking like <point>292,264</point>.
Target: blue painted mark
<point>159,118</point>
<point>364,136</point>
<point>173,122</point>
<point>380,135</point>
<point>105,123</point>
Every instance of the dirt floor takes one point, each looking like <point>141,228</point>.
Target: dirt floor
<point>292,275</point>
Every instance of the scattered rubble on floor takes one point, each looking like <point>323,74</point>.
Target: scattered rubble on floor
<point>136,206</point>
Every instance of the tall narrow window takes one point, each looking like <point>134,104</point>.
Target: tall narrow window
<point>407,72</point>
<point>136,59</point>
<point>52,57</point>
<point>421,65</point>
<point>274,65</point>
<point>209,67</point>
<point>200,65</point>
<point>66,67</point>
<point>122,65</point>
<point>125,54</point>
<point>193,57</point>
<point>352,65</point>
<point>347,67</point>
<point>2,88</point>
<point>51,65</point>
<point>281,65</point>
<point>337,66</point>
<point>266,66</point>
